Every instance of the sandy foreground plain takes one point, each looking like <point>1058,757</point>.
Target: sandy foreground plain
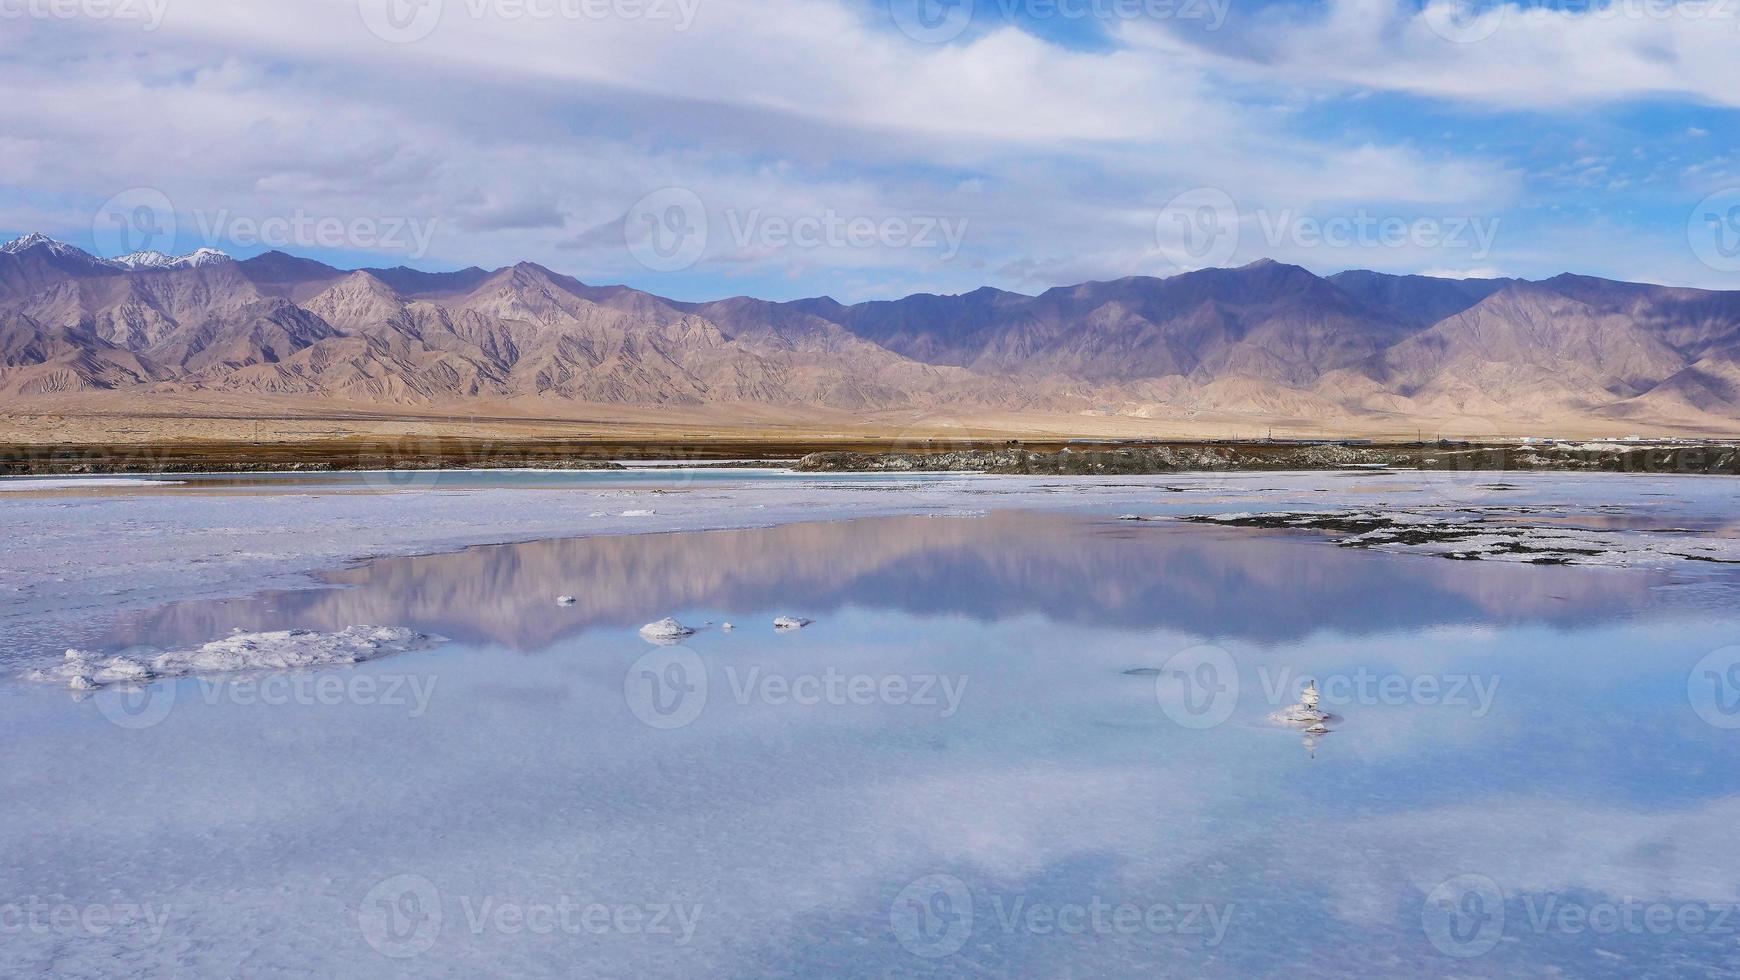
<point>163,419</point>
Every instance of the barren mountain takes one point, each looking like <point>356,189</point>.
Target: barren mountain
<point>1265,341</point>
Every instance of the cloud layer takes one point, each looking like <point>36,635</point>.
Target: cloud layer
<point>819,135</point>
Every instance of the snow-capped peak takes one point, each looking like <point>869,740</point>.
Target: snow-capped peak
<point>157,260</point>
<point>204,256</point>
<point>143,260</point>
<point>35,239</point>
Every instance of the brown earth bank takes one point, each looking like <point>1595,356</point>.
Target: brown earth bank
<point>865,455</point>
<point>1137,460</point>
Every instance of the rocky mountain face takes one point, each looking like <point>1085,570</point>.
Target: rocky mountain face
<point>1266,340</point>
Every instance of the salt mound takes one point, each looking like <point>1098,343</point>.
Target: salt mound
<point>791,623</point>
<point>275,650</point>
<point>665,629</point>
<point>565,600</point>
<point>1305,714</point>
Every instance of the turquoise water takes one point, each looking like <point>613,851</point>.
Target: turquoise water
<point>1013,745</point>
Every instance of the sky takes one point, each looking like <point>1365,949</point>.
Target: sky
<point>869,149</point>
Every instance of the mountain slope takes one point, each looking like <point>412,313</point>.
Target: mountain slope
<point>1265,341</point>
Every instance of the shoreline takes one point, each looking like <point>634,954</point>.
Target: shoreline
<point>1045,457</point>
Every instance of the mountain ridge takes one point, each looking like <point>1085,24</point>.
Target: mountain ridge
<point>1265,339</point>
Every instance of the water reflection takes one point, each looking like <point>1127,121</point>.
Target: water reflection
<point>1572,768</point>
<point>1264,588</point>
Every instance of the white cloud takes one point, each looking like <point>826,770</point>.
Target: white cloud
<point>527,138</point>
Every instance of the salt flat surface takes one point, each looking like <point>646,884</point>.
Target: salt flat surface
<point>32,483</point>
<point>969,750</point>
<point>68,559</point>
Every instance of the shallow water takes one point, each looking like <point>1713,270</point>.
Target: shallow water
<point>950,772</point>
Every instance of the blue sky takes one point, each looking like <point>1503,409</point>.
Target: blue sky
<point>872,148</point>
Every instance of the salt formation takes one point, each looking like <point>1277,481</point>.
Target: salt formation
<point>565,600</point>
<point>791,623</point>
<point>665,629</point>
<point>83,670</point>
<point>1306,713</point>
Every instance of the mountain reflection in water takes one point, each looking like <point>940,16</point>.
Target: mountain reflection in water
<point>1070,570</point>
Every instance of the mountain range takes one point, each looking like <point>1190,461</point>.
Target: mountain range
<point>1266,340</point>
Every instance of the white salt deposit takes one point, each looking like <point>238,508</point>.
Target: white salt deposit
<point>1306,713</point>
<point>665,629</point>
<point>791,623</point>
<point>565,600</point>
<point>19,485</point>
<point>638,513</point>
<point>276,650</point>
